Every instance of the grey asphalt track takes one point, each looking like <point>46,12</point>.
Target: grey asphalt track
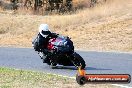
<point>97,62</point>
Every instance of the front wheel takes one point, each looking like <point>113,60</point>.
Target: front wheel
<point>78,61</point>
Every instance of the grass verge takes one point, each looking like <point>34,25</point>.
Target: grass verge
<point>11,78</point>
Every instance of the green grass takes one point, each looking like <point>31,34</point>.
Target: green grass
<point>11,78</point>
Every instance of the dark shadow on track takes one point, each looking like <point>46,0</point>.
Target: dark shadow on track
<point>66,67</point>
<point>92,68</point>
<point>74,68</point>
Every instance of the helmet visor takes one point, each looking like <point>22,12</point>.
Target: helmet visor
<point>46,32</point>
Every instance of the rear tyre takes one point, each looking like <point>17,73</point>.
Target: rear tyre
<point>53,65</point>
<point>78,61</point>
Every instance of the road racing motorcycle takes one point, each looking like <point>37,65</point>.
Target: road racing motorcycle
<point>61,52</point>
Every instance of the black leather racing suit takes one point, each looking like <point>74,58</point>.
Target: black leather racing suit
<point>40,43</point>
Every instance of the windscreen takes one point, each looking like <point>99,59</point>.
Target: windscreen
<point>60,41</point>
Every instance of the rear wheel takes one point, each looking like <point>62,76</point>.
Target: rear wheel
<point>53,64</point>
<point>78,61</point>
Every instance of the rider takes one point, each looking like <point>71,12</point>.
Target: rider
<point>41,41</point>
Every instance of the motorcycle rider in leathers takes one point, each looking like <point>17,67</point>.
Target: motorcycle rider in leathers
<point>41,41</point>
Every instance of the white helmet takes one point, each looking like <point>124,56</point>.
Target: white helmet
<point>44,30</point>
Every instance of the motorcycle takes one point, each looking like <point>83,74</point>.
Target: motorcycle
<point>61,51</point>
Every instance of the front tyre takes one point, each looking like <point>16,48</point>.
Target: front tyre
<point>78,61</point>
